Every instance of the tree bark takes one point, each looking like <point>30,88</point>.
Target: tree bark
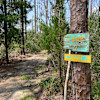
<point>35,14</point>
<point>91,8</point>
<point>99,15</point>
<point>46,12</point>
<point>81,73</point>
<point>5,28</point>
<point>99,27</point>
<point>37,17</point>
<point>32,27</point>
<point>57,23</point>
<point>25,20</point>
<point>22,30</point>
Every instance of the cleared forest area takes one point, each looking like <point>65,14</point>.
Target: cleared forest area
<point>32,64</point>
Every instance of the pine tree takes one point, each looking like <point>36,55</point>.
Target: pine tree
<point>5,28</point>
<point>25,18</point>
<point>52,37</point>
<point>22,28</point>
<point>35,14</point>
<point>81,73</point>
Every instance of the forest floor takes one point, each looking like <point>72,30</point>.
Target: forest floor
<point>19,80</point>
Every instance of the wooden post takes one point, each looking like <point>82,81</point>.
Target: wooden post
<point>66,81</point>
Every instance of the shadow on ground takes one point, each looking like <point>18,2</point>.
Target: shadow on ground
<point>12,87</point>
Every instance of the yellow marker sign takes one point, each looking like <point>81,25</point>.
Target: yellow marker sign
<point>77,58</point>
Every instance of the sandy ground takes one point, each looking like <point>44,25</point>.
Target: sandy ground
<point>12,87</point>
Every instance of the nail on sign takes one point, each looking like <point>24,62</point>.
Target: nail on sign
<point>77,42</point>
<point>77,58</point>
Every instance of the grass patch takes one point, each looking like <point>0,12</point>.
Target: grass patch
<point>41,67</point>
<point>25,77</point>
<point>28,97</point>
<point>29,54</point>
<point>52,85</point>
<point>37,74</point>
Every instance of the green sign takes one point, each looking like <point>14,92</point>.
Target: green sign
<point>77,42</point>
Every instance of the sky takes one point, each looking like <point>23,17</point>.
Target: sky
<point>30,15</point>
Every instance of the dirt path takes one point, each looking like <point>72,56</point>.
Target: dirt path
<point>13,86</point>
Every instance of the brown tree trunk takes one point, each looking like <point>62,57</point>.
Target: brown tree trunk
<point>25,27</point>
<point>91,8</point>
<point>32,27</point>
<point>99,27</point>
<point>22,31</point>
<point>35,14</point>
<point>81,73</point>
<point>40,13</point>
<point>25,20</point>
<point>5,29</point>
<point>99,15</point>
<point>37,17</point>
<point>58,10</point>
<point>46,12</point>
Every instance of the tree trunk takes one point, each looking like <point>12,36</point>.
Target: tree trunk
<point>25,27</point>
<point>32,27</point>
<point>91,8</point>
<point>35,14</point>
<point>81,73</point>
<point>99,27</point>
<point>5,28</point>
<point>25,21</point>
<point>37,17</point>
<point>99,15</point>
<point>22,30</point>
<point>46,12</point>
<point>57,23</point>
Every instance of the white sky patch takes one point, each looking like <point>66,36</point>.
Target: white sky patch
<point>95,9</point>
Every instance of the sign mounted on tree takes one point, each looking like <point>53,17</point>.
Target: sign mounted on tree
<point>77,58</point>
<point>77,42</point>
